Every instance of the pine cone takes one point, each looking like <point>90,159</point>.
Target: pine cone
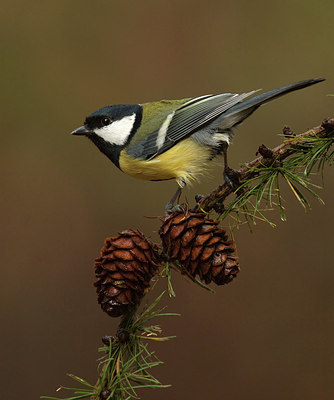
<point>200,247</point>
<point>124,270</point>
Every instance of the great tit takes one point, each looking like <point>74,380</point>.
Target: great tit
<point>173,139</point>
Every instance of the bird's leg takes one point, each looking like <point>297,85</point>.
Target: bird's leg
<point>231,176</point>
<point>176,196</point>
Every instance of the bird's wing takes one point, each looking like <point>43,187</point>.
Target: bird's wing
<point>182,122</point>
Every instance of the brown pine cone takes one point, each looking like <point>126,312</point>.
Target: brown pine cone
<point>200,247</point>
<point>124,270</point>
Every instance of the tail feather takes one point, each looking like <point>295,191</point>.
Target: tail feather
<point>242,110</point>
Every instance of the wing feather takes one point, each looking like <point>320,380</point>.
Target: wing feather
<point>191,116</point>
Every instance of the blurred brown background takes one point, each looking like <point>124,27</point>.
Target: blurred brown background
<point>268,335</point>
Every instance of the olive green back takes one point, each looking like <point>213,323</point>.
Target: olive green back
<point>154,115</point>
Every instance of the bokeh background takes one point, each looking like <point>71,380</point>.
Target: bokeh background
<point>269,334</point>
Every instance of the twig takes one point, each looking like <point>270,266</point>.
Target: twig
<point>249,170</point>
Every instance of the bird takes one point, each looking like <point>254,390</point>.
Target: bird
<point>175,139</point>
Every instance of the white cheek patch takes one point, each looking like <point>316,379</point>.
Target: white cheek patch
<point>117,132</point>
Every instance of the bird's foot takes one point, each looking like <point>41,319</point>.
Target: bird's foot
<point>198,198</point>
<point>232,177</point>
<point>171,209</point>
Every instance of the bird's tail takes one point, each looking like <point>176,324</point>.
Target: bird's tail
<point>242,110</point>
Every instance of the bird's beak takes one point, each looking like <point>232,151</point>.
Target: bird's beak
<point>82,131</point>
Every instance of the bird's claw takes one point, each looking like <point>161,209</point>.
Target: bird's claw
<point>198,198</point>
<point>232,177</point>
<point>171,209</point>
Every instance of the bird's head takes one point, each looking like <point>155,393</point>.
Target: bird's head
<point>110,128</point>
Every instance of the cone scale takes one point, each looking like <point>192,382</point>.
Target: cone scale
<point>124,270</point>
<point>200,246</point>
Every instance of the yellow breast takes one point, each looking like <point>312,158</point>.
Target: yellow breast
<point>184,162</point>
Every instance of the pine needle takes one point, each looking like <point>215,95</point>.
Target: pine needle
<point>126,366</point>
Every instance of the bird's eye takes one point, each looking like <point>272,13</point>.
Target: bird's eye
<point>105,121</point>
